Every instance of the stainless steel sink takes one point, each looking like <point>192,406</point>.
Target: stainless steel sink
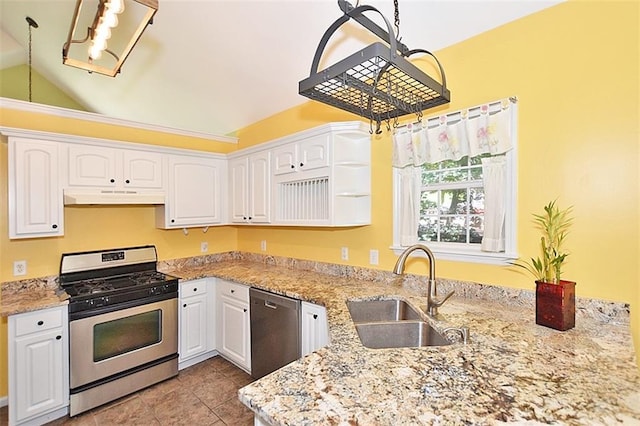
<point>392,323</point>
<point>399,334</point>
<point>381,310</point>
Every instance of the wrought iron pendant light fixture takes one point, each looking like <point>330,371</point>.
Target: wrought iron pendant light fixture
<point>112,31</point>
<point>377,82</point>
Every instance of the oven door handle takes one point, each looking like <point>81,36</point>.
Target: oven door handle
<point>124,305</point>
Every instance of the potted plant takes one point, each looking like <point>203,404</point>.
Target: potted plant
<point>555,298</point>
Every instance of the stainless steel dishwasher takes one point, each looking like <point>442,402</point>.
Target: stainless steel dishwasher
<point>275,331</point>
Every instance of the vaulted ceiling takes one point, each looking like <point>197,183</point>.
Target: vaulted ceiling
<point>215,66</point>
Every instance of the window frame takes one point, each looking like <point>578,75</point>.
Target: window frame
<point>471,253</point>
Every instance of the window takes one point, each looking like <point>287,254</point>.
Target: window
<point>457,200</point>
<point>452,202</point>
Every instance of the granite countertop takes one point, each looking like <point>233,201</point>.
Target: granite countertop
<point>511,371</point>
<point>30,295</point>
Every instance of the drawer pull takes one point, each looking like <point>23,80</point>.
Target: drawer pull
<point>233,291</point>
<point>58,337</point>
<point>40,322</point>
<point>195,289</point>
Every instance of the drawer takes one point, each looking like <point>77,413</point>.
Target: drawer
<point>192,288</point>
<point>33,322</point>
<point>233,290</point>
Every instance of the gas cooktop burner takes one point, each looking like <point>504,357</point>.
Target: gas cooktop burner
<point>102,285</point>
<point>113,277</point>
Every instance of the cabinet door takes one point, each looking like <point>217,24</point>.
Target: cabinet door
<point>142,169</point>
<point>193,326</point>
<point>234,331</point>
<point>315,332</point>
<point>194,197</point>
<point>92,166</point>
<point>285,159</point>
<point>35,196</point>
<point>239,187</point>
<point>260,187</point>
<point>313,152</point>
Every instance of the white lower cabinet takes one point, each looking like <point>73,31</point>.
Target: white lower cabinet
<point>196,321</point>
<point>233,323</point>
<point>314,328</point>
<point>38,366</point>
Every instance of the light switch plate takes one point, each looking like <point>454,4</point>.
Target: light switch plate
<point>373,257</point>
<point>204,247</point>
<point>263,245</point>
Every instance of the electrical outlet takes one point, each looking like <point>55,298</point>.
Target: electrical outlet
<point>373,257</point>
<point>263,245</point>
<point>344,253</point>
<point>204,247</point>
<point>19,268</point>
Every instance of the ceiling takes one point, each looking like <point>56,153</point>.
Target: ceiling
<point>215,66</point>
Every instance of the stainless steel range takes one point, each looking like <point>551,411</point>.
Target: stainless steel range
<point>123,324</point>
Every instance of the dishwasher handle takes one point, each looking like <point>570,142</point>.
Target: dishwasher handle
<point>270,304</point>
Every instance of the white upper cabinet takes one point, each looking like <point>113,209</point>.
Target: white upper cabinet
<point>322,177</point>
<point>35,195</point>
<point>97,166</point>
<point>195,192</point>
<point>250,188</point>
<point>306,154</point>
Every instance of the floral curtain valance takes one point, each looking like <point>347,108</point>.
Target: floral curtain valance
<point>478,130</point>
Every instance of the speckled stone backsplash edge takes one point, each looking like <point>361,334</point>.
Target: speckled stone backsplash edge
<point>600,310</point>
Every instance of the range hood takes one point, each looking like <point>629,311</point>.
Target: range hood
<point>84,197</point>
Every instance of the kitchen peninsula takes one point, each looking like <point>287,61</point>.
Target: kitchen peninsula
<point>511,371</point>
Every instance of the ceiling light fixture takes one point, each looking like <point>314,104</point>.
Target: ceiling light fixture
<point>377,82</point>
<point>88,52</point>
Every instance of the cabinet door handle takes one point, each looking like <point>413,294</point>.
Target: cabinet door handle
<point>315,316</point>
<point>245,309</point>
<point>112,180</point>
<point>195,289</point>
<point>293,167</point>
<point>301,164</point>
<point>54,226</point>
<point>127,181</point>
<point>40,322</point>
<point>233,291</point>
<point>173,220</point>
<point>184,306</point>
<point>58,337</point>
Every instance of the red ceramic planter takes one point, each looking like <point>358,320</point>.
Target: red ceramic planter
<point>556,304</point>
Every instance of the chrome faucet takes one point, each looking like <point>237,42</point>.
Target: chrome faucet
<point>433,303</point>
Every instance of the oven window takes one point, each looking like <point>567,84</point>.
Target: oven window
<point>126,334</point>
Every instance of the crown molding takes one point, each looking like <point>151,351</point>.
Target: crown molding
<point>18,105</point>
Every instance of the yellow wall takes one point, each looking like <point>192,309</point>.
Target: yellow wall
<point>574,68</point>
<point>14,84</point>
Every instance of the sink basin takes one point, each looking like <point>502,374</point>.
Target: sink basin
<point>399,334</point>
<point>381,310</point>
<point>392,323</point>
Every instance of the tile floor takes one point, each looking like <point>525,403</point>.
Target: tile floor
<point>204,394</point>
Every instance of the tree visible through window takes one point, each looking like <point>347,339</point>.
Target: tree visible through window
<point>452,201</point>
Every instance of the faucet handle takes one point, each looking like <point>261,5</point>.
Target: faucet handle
<point>436,302</point>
